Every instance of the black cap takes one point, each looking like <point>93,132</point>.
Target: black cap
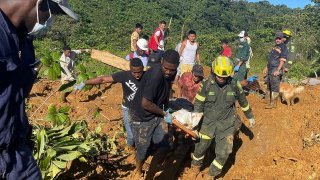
<point>197,70</point>
<point>279,35</point>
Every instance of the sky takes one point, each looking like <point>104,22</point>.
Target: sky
<point>289,3</point>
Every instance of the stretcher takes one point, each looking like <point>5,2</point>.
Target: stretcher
<point>254,88</point>
<point>187,121</point>
<point>185,129</point>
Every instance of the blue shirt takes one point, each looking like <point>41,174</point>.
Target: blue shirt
<point>17,61</point>
<point>277,52</point>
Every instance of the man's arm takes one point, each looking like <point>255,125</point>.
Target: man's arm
<point>183,45</point>
<point>243,102</point>
<point>152,107</point>
<point>277,72</point>
<point>99,80</point>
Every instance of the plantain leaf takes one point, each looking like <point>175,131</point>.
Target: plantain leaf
<point>83,159</point>
<point>62,118</point>
<point>44,165</point>
<point>41,143</point>
<point>55,56</point>
<point>91,75</point>
<point>60,164</point>
<point>70,156</point>
<point>64,109</point>
<point>54,170</point>
<point>56,68</point>
<point>52,74</point>
<point>82,77</point>
<point>82,69</point>
<point>64,87</point>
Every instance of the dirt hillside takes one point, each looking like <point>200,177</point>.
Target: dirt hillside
<point>273,149</point>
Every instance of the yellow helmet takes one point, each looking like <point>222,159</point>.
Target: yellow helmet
<point>222,66</point>
<point>287,33</point>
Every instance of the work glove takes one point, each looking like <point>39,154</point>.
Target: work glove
<point>87,50</point>
<point>252,78</point>
<point>236,69</point>
<point>251,122</point>
<point>80,86</point>
<point>168,117</point>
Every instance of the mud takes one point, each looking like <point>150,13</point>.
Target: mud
<point>273,149</point>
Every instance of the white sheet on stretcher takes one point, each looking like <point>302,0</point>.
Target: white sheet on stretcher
<point>188,119</point>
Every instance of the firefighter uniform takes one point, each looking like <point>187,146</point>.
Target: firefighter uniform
<point>220,120</point>
<point>242,55</point>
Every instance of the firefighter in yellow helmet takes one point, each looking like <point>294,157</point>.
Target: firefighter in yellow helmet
<point>287,35</point>
<point>216,100</point>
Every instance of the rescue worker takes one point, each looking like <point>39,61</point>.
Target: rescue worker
<point>216,100</point>
<point>276,60</point>
<point>291,49</point>
<point>242,57</point>
<point>20,22</point>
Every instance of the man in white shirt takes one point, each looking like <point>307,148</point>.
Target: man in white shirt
<point>67,63</point>
<point>189,53</point>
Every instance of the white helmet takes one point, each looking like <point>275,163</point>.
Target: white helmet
<point>142,44</point>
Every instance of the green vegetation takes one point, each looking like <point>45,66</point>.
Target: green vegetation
<point>64,141</point>
<point>107,25</point>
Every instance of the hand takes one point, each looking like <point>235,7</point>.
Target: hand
<point>236,69</point>
<point>276,73</point>
<point>80,86</point>
<point>252,78</point>
<point>87,50</point>
<point>286,69</point>
<point>251,122</point>
<point>168,117</point>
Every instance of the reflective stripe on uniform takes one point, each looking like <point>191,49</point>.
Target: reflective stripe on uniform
<point>216,164</point>
<point>197,159</point>
<point>200,98</point>
<point>211,93</point>
<point>239,86</point>
<point>203,136</point>
<point>245,108</point>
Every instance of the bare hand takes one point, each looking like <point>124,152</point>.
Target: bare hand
<point>276,73</point>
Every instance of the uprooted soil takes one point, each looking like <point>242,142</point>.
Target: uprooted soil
<point>273,149</point>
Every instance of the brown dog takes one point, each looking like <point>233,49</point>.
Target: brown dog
<point>288,93</point>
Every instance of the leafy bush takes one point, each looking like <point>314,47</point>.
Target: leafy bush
<point>63,142</point>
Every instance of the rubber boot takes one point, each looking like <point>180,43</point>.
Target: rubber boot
<point>267,97</point>
<point>273,101</point>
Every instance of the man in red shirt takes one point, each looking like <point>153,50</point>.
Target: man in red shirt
<point>189,83</point>
<point>226,49</point>
<point>157,36</point>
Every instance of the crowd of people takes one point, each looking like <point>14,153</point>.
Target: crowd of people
<point>146,94</point>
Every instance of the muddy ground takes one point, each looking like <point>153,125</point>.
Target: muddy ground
<point>273,149</point>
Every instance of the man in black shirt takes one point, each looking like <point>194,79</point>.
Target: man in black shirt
<point>147,119</point>
<point>131,84</point>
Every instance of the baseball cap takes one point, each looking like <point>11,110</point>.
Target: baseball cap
<point>64,5</point>
<point>279,35</point>
<point>243,34</point>
<point>197,70</point>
